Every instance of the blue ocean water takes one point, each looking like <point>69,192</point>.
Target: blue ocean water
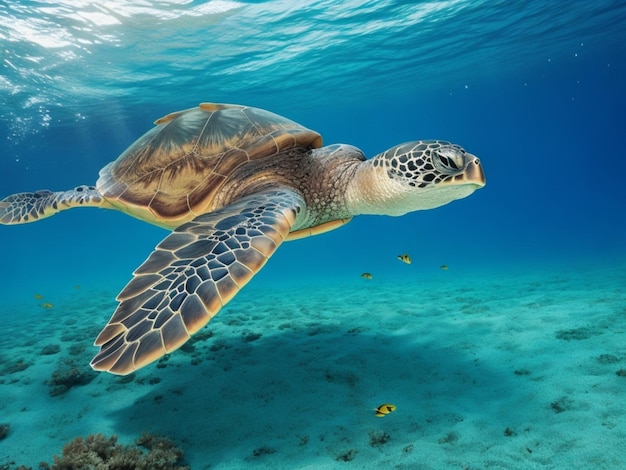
<point>536,89</point>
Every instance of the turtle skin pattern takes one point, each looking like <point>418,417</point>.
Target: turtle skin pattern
<point>190,275</point>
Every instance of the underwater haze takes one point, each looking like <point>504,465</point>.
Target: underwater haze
<point>503,343</point>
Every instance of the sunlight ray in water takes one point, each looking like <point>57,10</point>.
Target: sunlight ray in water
<point>77,55</point>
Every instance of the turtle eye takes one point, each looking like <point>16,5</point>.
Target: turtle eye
<point>449,159</point>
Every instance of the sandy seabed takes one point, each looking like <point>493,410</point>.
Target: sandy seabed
<point>487,370</point>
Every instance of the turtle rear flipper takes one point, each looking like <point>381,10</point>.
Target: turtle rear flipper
<point>190,275</point>
<point>21,208</point>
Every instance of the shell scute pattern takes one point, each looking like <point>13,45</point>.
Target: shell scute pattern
<point>179,166</point>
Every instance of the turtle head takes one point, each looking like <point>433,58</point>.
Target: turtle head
<point>419,175</point>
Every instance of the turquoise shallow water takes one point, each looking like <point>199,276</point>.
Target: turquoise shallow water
<point>518,371</point>
<point>535,89</point>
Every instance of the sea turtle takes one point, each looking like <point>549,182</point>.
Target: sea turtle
<point>233,182</point>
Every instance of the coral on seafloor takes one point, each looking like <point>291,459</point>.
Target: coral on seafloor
<point>4,430</point>
<point>69,375</point>
<point>98,452</point>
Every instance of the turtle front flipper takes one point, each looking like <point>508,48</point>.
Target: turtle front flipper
<point>21,208</point>
<point>190,275</point>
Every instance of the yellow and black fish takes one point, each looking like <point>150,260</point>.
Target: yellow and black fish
<point>367,275</point>
<point>38,296</point>
<point>47,305</point>
<point>384,409</point>
<point>405,258</point>
<point>444,267</point>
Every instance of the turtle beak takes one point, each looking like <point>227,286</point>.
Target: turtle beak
<point>473,173</point>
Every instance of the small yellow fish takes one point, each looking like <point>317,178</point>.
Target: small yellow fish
<point>384,410</point>
<point>47,305</point>
<point>444,267</point>
<point>76,286</point>
<point>38,296</point>
<point>405,258</point>
<point>367,276</point>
